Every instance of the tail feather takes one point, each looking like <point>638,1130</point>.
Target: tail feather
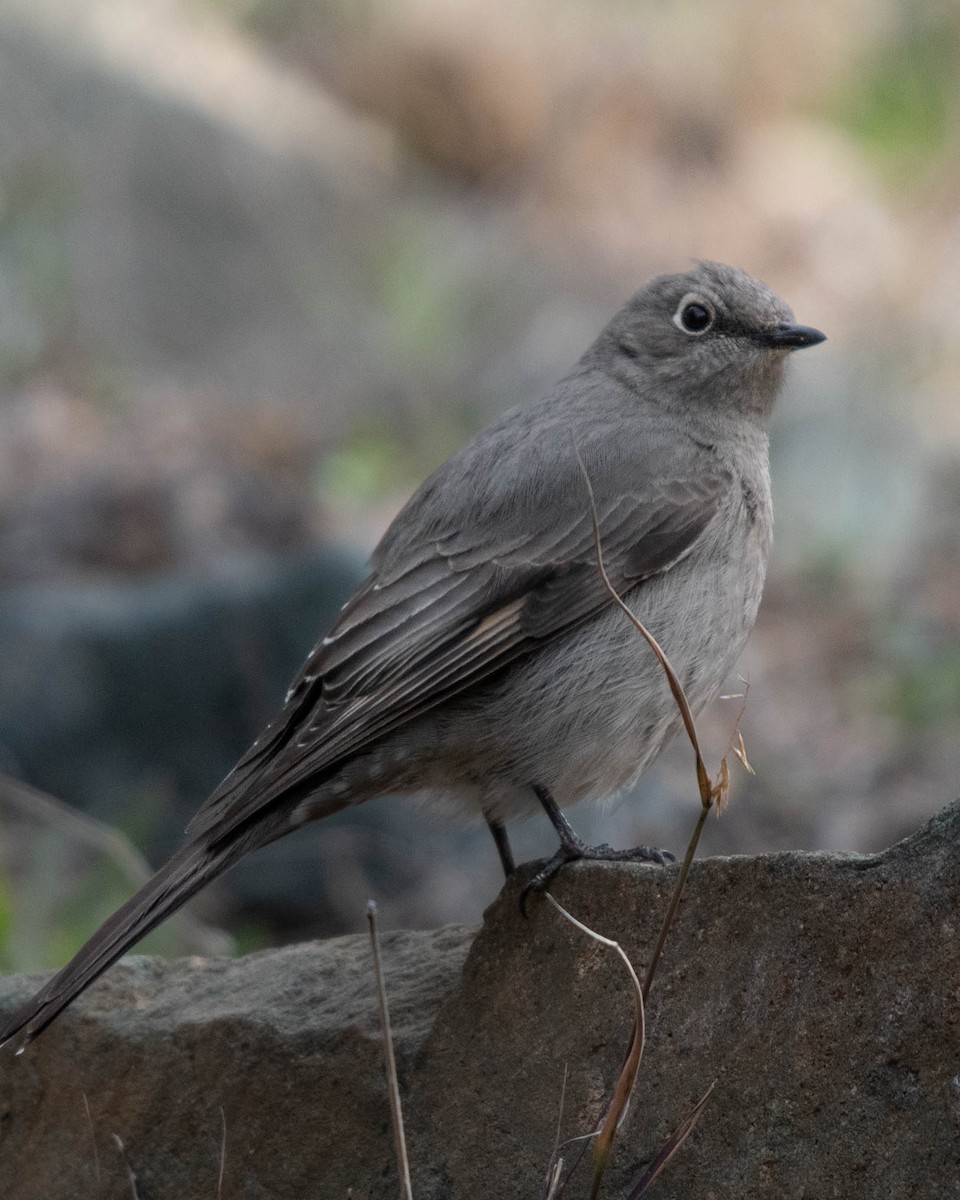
<point>181,877</point>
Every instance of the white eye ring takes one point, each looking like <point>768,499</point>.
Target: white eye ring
<point>690,314</point>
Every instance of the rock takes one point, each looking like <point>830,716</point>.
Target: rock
<point>113,691</point>
<point>166,205</point>
<point>818,992</point>
<point>188,220</point>
<point>285,1042</point>
<point>130,700</point>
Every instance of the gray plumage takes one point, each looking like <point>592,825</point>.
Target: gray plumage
<point>482,656</point>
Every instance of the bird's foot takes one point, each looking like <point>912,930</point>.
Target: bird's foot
<point>571,849</point>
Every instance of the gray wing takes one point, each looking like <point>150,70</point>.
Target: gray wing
<point>448,604</point>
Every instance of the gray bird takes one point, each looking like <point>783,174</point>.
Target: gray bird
<point>483,658</point>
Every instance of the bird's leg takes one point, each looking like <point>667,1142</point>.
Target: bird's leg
<point>571,848</point>
<point>502,842</point>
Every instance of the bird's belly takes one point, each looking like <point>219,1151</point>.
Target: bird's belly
<point>586,714</point>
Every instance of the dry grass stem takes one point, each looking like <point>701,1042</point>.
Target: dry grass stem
<point>553,1179</point>
<point>672,1145</point>
<point>676,688</point>
<point>711,793</point>
<point>390,1062</point>
<point>223,1152</point>
<point>674,901</point>
<point>552,1182</point>
<point>131,1176</point>
<point>617,1108</point>
<point>93,1139</point>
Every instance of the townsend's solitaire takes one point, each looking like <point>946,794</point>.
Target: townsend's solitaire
<point>483,657</point>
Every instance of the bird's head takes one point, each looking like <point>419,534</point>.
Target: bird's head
<point>713,338</point>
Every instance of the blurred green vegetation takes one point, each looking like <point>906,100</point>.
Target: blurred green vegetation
<point>250,935</point>
<point>900,100</point>
<point>8,911</point>
<point>362,468</point>
<point>290,18</point>
<point>374,461</point>
<point>39,321</point>
<point>902,103</point>
<point>58,907</point>
<point>916,690</point>
<point>428,309</point>
<point>433,322</point>
<point>62,874</point>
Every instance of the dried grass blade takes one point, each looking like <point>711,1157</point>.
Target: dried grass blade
<point>676,687</point>
<point>603,1143</point>
<point>553,1181</point>
<point>393,1087</point>
<point>223,1152</point>
<point>671,1145</point>
<point>674,901</point>
<point>131,1176</point>
<point>554,1171</point>
<point>93,1138</point>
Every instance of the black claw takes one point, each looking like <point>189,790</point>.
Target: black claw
<point>572,848</point>
<point>568,852</point>
<point>539,881</point>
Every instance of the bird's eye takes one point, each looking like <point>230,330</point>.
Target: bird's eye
<point>693,316</point>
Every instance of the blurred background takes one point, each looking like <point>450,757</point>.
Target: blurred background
<point>265,263</point>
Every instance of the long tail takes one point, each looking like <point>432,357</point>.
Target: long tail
<point>184,874</point>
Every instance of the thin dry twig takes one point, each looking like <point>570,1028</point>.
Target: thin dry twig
<point>223,1152</point>
<point>716,796</point>
<point>131,1176</point>
<point>712,794</point>
<point>555,1165</point>
<point>553,1179</point>
<point>672,1145</point>
<point>674,904</point>
<point>390,1062</point>
<point>676,688</point>
<point>616,1110</point>
<point>563,1097</point>
<point>736,746</point>
<point>93,1139</point>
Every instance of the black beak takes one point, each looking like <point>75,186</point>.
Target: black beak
<point>790,337</point>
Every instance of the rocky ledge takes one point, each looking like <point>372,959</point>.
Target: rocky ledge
<point>821,993</point>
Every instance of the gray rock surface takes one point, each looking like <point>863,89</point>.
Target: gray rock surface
<point>285,1042</point>
<point>820,992</point>
<point>116,689</point>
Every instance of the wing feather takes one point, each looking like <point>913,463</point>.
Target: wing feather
<point>449,610</point>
